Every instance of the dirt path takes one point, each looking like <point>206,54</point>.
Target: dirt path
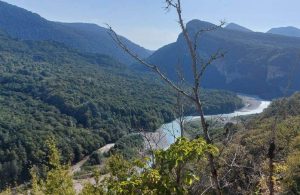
<point>106,148</point>
<point>78,184</point>
<point>77,167</point>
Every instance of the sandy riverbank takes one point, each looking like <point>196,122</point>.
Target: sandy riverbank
<point>250,103</point>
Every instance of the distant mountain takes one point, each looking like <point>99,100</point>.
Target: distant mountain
<point>286,31</point>
<point>254,63</point>
<point>22,24</point>
<point>233,26</point>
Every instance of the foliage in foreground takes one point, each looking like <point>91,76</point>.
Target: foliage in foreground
<point>246,156</point>
<point>58,179</point>
<point>243,164</point>
<point>83,100</point>
<point>182,168</point>
<point>169,173</point>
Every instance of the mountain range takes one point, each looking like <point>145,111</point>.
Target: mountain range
<point>289,31</point>
<point>256,63</point>
<point>82,100</point>
<point>262,64</point>
<point>22,24</point>
<point>71,82</point>
<point>286,31</point>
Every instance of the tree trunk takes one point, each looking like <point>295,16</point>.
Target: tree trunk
<point>213,169</point>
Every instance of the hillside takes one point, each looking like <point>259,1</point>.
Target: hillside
<point>249,147</point>
<point>254,63</point>
<point>22,24</point>
<point>244,150</point>
<point>79,115</point>
<point>83,100</point>
<point>286,31</point>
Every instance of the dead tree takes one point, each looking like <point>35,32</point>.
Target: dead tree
<point>180,113</point>
<point>181,102</point>
<point>198,68</point>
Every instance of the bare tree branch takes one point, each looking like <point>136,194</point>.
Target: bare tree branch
<point>154,68</point>
<point>170,3</point>
<point>215,56</point>
<point>201,31</point>
<point>197,100</point>
<point>195,96</point>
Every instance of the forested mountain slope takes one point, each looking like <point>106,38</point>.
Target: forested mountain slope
<point>20,23</point>
<point>254,143</point>
<point>82,100</point>
<point>255,63</point>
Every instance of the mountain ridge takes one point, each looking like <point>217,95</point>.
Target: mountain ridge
<point>254,62</point>
<point>290,31</point>
<point>234,26</point>
<point>86,37</point>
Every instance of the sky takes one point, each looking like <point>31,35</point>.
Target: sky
<point>146,23</point>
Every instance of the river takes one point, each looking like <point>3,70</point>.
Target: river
<point>168,132</point>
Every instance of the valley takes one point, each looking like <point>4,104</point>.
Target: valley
<point>38,100</point>
<point>85,110</point>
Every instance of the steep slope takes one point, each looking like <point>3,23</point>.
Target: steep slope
<point>252,139</point>
<point>233,26</point>
<point>254,63</point>
<point>82,100</point>
<point>22,24</point>
<point>286,31</point>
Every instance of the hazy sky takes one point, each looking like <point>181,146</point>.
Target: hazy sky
<point>146,23</point>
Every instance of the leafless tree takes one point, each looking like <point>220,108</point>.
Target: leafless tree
<point>180,102</point>
<point>180,113</point>
<point>198,67</point>
<point>153,141</point>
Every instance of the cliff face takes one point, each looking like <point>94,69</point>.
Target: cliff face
<point>254,63</point>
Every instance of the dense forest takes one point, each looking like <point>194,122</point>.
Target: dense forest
<point>77,117</point>
<point>83,100</point>
<point>242,160</point>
